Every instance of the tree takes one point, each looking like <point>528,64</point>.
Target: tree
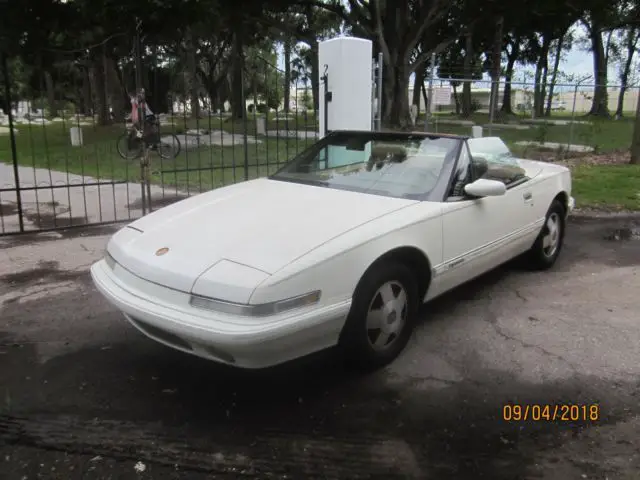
<point>561,44</point>
<point>635,143</point>
<point>629,40</point>
<point>307,23</point>
<point>597,18</point>
<point>451,66</point>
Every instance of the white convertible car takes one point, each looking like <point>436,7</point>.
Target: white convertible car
<point>338,248</point>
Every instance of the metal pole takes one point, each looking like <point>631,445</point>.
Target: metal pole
<point>325,86</point>
<point>379,109</point>
<point>427,114</point>
<point>143,158</point>
<point>573,116</point>
<point>12,138</point>
<point>245,122</point>
<point>374,77</point>
<point>495,86</point>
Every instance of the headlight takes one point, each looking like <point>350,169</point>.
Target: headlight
<point>262,310</point>
<point>111,263</point>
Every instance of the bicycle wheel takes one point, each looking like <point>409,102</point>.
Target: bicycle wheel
<point>129,148</point>
<point>169,147</point>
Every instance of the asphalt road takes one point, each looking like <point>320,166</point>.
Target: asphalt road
<point>84,395</point>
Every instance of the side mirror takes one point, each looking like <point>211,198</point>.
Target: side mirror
<point>485,188</point>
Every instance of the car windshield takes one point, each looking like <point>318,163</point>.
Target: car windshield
<point>395,165</point>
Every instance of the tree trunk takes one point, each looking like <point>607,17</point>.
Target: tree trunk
<point>599,105</point>
<point>456,98</point>
<point>554,74</point>
<point>115,90</point>
<point>631,42</point>
<point>496,57</point>
<point>86,106</point>
<point>512,57</point>
<point>395,88</point>
<point>51,94</point>
<point>192,75</point>
<point>468,74</point>
<point>635,143</point>
<point>418,83</point>
<point>538,89</point>
<point>425,99</point>
<point>287,75</point>
<point>238,106</point>
<point>96,76</point>
<point>315,76</point>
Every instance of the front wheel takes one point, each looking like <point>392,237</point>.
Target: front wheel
<point>129,146</point>
<point>546,249</point>
<point>380,322</point>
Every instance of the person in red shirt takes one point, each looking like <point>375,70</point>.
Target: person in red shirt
<point>139,103</point>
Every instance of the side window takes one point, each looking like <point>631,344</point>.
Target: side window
<point>504,168</point>
<point>492,159</point>
<point>462,175</point>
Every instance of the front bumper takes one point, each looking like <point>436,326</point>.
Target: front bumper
<point>165,316</point>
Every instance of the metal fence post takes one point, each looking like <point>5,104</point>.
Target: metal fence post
<point>427,114</point>
<point>573,117</point>
<point>493,101</point>
<point>374,83</point>
<point>379,107</point>
<point>244,119</point>
<point>141,112</point>
<point>12,138</point>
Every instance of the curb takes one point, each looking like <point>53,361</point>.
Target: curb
<point>594,215</point>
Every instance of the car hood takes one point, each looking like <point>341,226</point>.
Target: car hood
<point>263,224</point>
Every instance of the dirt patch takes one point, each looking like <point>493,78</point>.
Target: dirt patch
<point>15,240</point>
<point>45,272</point>
<point>620,157</point>
<point>551,155</point>
<point>572,159</point>
<point>623,234</point>
<point>8,209</point>
<point>45,221</point>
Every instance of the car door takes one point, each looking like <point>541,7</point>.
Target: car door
<point>480,233</point>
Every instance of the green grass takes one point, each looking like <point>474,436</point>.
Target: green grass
<point>602,135</point>
<point>615,187</point>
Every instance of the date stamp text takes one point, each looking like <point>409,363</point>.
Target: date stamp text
<point>551,413</point>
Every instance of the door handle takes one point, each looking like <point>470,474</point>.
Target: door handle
<point>527,195</point>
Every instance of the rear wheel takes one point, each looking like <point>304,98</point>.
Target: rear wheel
<point>169,147</point>
<point>546,249</point>
<point>381,319</point>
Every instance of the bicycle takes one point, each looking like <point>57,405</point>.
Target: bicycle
<point>132,143</point>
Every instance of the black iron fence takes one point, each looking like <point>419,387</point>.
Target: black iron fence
<point>69,155</point>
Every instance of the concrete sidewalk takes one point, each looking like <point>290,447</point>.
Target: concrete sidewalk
<point>74,205</point>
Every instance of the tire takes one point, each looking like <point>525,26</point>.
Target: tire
<point>124,150</point>
<point>167,150</point>
<point>547,247</point>
<point>359,335</point>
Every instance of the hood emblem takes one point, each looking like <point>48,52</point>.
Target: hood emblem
<point>161,251</point>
